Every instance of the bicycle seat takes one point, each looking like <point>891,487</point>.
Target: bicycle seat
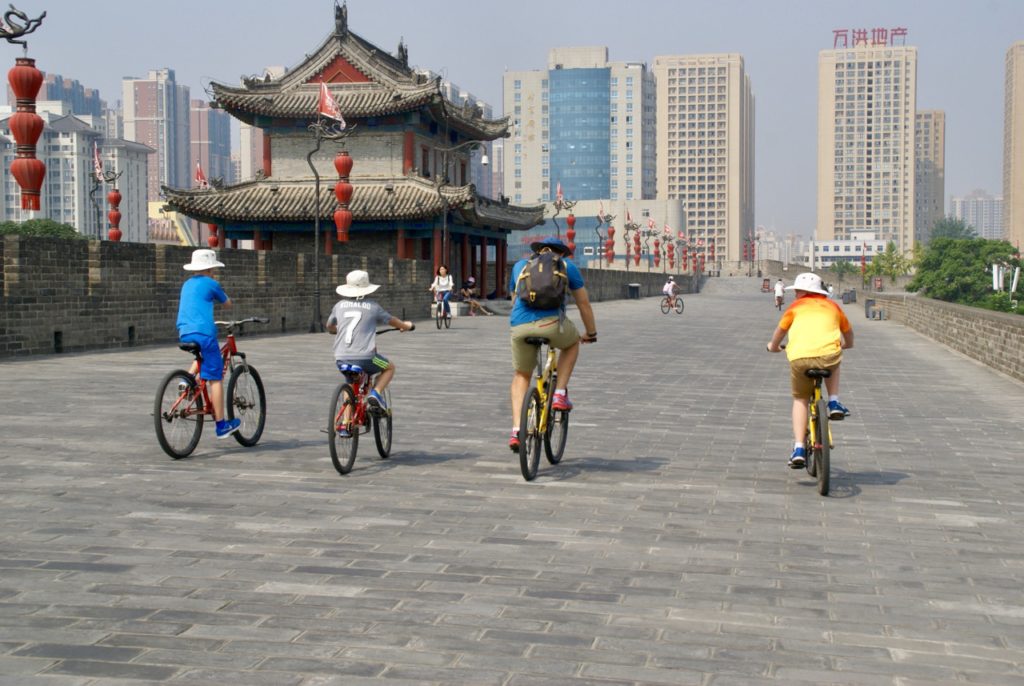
<point>190,348</point>
<point>537,340</point>
<point>818,373</point>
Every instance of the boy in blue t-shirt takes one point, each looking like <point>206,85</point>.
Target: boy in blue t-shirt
<point>196,325</point>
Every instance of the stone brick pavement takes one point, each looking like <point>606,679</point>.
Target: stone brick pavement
<point>671,546</point>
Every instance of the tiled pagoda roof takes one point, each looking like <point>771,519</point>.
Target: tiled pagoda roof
<point>365,80</point>
<point>411,198</point>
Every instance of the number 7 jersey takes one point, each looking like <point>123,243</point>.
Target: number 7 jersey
<point>357,322</point>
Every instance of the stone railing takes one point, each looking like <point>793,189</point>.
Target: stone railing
<point>995,339</point>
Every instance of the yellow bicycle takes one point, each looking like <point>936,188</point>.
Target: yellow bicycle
<point>818,440</point>
<point>538,422</point>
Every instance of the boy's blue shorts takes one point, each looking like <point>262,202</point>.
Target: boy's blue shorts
<point>213,364</point>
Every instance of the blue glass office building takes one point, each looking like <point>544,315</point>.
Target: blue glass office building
<point>579,138</point>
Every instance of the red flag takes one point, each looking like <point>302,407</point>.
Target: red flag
<point>629,217</point>
<point>600,211</point>
<point>668,229</point>
<point>97,165</point>
<point>650,223</point>
<point>328,106</point>
<point>201,177</point>
<point>558,192</point>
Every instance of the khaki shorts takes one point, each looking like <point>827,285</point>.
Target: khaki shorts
<point>524,355</point>
<point>803,385</point>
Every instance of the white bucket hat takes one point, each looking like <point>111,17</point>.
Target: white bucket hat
<point>357,284</point>
<point>807,282</point>
<point>203,259</point>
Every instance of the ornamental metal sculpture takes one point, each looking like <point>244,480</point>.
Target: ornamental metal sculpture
<point>11,31</point>
<point>26,126</point>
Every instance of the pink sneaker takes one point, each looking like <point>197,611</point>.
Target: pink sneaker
<point>561,402</point>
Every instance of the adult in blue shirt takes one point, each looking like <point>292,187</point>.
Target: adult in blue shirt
<point>196,325</point>
<point>551,324</point>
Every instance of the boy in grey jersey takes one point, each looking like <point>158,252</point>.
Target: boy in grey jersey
<point>354,321</point>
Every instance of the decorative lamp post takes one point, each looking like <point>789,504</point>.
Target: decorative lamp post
<point>609,246</point>
<point>636,248</point>
<point>657,252</point>
<point>671,255</point>
<point>560,204</point>
<point>602,219</point>
<point>328,125</point>
<point>114,215</point>
<point>343,192</point>
<point>631,226</point>
<point>26,126</point>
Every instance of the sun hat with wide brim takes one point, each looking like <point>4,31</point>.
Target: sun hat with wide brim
<point>809,282</point>
<point>202,260</point>
<point>552,244</point>
<point>357,284</point>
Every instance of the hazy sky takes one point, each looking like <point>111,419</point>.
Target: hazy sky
<point>961,57</point>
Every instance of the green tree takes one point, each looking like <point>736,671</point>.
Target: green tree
<point>959,270</point>
<point>891,263</point>
<point>951,227</point>
<point>842,269</point>
<point>39,228</point>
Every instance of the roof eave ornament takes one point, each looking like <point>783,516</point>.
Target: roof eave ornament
<point>403,53</point>
<point>340,18</point>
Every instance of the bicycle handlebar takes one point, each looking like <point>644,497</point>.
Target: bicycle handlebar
<point>252,320</point>
<point>394,329</point>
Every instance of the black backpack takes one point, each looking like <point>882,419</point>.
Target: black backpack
<point>543,282</point>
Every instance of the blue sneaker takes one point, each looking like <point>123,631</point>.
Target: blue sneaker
<point>226,427</point>
<point>376,402</point>
<point>798,460</point>
<point>343,432</point>
<point>837,411</point>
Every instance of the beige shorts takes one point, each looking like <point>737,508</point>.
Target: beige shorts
<point>803,385</point>
<point>524,355</point>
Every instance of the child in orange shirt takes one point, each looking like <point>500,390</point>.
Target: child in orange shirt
<point>818,333</point>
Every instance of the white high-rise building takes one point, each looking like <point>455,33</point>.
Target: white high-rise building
<point>980,211</point>
<point>1013,147</point>
<point>705,117</point>
<point>929,171</point>
<point>867,106</point>
<point>69,194</point>
<point>584,123</point>
<point>156,114</point>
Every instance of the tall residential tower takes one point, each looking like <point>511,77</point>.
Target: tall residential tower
<point>705,117</point>
<point>156,114</point>
<point>1013,146</point>
<point>867,106</point>
<point>929,171</point>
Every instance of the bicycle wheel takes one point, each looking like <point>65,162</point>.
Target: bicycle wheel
<point>809,463</point>
<point>665,306</point>
<point>822,450</point>
<point>382,428</point>
<point>679,305</point>
<point>556,435</point>
<point>178,414</point>
<point>448,320</point>
<point>343,449</point>
<point>438,314</point>
<point>247,401</point>
<point>529,435</point>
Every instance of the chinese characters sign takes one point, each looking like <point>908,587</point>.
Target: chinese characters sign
<point>846,38</point>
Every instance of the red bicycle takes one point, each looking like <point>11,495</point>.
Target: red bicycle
<point>351,415</point>
<point>183,401</point>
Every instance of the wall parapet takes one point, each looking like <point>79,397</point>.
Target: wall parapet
<point>995,339</point>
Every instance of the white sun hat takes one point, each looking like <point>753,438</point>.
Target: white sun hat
<point>357,284</point>
<point>203,259</point>
<point>809,282</point>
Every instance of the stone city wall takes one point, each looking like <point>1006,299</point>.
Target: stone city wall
<point>63,296</point>
<point>995,339</point>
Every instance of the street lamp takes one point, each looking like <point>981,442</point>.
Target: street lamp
<point>332,131</point>
<point>444,180</point>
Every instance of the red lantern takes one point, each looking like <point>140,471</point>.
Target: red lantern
<point>343,192</point>
<point>657,252</point>
<point>114,198</point>
<point>745,251</point>
<point>671,255</point>
<point>211,240</point>
<point>26,127</point>
<point>570,233</point>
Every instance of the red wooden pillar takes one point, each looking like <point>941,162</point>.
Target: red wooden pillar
<point>400,244</point>
<point>257,240</point>
<point>483,267</point>
<point>501,260</point>
<point>407,153</point>
<point>328,243</point>
<point>436,249</point>
<point>464,258</point>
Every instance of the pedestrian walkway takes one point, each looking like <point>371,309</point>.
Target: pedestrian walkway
<point>671,546</point>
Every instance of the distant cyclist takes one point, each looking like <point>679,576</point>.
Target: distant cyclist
<point>670,290</point>
<point>780,293</point>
